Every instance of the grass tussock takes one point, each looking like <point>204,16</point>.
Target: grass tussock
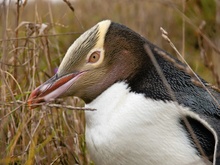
<point>34,38</point>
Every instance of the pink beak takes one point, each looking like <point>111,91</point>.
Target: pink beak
<point>52,89</point>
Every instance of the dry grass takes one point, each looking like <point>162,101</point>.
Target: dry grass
<point>35,37</point>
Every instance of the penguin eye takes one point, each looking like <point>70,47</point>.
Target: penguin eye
<point>94,57</point>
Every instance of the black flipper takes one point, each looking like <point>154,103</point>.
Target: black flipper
<point>205,136</point>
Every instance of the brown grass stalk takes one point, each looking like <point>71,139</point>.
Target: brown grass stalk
<point>191,72</point>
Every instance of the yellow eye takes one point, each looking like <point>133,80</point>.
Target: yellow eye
<point>94,57</point>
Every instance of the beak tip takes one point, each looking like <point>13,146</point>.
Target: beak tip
<point>30,104</point>
<point>33,99</point>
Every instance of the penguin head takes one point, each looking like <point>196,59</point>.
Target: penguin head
<point>101,56</point>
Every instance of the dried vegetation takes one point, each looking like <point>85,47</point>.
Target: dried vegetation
<point>35,36</point>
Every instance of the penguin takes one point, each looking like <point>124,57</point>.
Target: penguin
<point>136,119</point>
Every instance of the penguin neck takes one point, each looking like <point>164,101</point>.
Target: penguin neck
<point>119,97</point>
<point>107,103</point>
<point>148,82</point>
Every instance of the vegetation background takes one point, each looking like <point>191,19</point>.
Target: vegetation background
<point>34,36</point>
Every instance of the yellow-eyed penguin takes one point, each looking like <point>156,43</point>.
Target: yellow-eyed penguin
<point>136,120</point>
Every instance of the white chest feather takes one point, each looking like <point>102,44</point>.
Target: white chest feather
<point>127,128</point>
